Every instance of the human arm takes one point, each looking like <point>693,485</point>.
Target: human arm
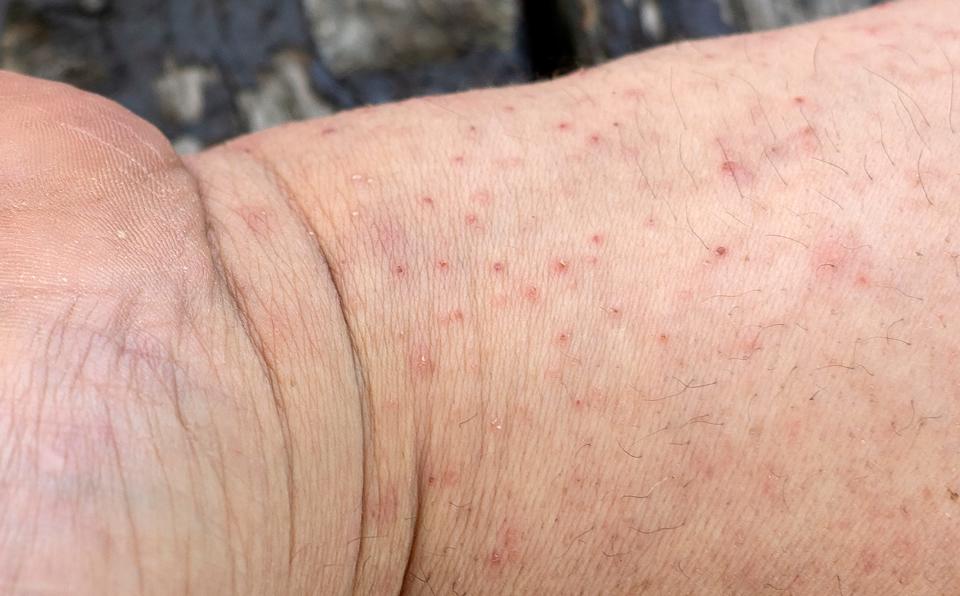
<point>681,322</point>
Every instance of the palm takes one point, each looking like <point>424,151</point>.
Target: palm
<point>120,404</point>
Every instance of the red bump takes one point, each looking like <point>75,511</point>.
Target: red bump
<point>452,317</point>
<point>563,126</point>
<point>597,239</point>
<point>721,251</point>
<point>776,149</point>
<point>531,293</point>
<point>427,201</point>
<point>443,265</point>
<point>799,100</point>
<point>483,197</point>
<point>498,267</point>
<point>329,130</point>
<point>737,171</point>
<point>559,266</point>
<point>450,478</point>
<point>257,220</point>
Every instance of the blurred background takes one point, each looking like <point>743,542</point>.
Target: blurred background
<point>206,70</point>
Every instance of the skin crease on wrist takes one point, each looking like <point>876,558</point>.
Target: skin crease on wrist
<point>683,323</point>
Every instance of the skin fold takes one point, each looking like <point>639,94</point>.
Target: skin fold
<point>681,324</point>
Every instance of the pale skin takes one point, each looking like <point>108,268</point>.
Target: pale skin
<point>684,323</point>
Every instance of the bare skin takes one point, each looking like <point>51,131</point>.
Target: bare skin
<point>680,324</point>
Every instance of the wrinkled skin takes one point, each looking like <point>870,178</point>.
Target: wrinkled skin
<point>156,431</point>
<point>680,324</point>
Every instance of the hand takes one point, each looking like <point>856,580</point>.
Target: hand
<point>156,436</point>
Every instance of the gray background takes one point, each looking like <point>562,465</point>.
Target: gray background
<point>207,70</point>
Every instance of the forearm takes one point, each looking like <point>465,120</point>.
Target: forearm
<point>682,321</point>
